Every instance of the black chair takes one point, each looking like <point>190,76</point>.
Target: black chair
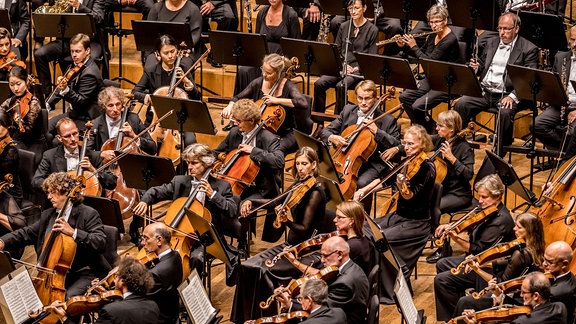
<point>373,280</point>
<point>110,255</point>
<point>303,121</point>
<point>373,310</point>
<point>49,137</point>
<point>32,200</point>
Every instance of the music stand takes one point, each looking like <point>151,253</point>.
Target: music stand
<point>326,166</point>
<point>452,78</point>
<point>6,264</point>
<point>474,14</point>
<point>147,32</point>
<point>108,209</point>
<point>211,243</point>
<point>386,70</point>
<point>536,85</point>
<point>4,91</point>
<point>544,30</point>
<point>333,194</point>
<point>407,10</point>
<point>319,58</point>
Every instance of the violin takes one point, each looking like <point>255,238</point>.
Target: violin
<point>471,219</point>
<point>298,249</point>
<point>505,286</point>
<point>71,73</point>
<point>489,255</point>
<point>292,200</point>
<point>360,145</point>
<point>273,115</point>
<point>440,164</point>
<point>80,305</point>
<point>91,184</point>
<point>21,107</point>
<point>282,318</point>
<point>503,313</point>
<point>293,288</point>
<point>11,60</point>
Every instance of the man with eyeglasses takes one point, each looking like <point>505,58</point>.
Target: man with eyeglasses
<point>350,289</point>
<point>557,258</point>
<point>385,131</point>
<point>66,157</point>
<point>498,91</point>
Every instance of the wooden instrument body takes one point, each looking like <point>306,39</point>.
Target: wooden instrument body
<point>92,186</point>
<point>272,115</point>
<point>79,305</point>
<point>171,142</point>
<point>441,170</point>
<point>469,220</point>
<point>281,318</point>
<point>239,170</point>
<point>492,253</point>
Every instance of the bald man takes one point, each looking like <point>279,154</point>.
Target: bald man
<point>166,271</point>
<point>557,259</point>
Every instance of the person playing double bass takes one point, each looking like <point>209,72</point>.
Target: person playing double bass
<point>78,221</point>
<point>385,131</point>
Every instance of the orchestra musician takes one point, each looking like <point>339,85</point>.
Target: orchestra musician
<point>526,258</point>
<point>8,59</point>
<point>9,159</point>
<point>442,46</point>
<point>497,227</point>
<point>20,24</point>
<point>82,90</point>
<point>508,48</point>
<point>65,157</point>
<point>548,127</point>
<point>166,271</point>
<point>24,108</point>
<point>557,258</point>
<point>286,95</point>
<point>78,221</point>
<point>354,35</point>
<point>349,291</point>
<point>264,149</point>
<point>134,281</point>
<point>305,218</point>
<point>535,293</point>
<point>223,12</point>
<point>386,133</point>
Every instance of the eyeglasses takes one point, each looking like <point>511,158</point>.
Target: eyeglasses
<point>505,28</point>
<point>326,256</point>
<point>436,22</point>
<point>550,261</point>
<point>300,298</point>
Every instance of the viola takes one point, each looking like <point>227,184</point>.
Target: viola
<point>298,249</point>
<point>503,313</point>
<point>11,60</point>
<point>492,253</point>
<point>505,286</point>
<point>360,145</point>
<point>293,288</point>
<point>91,185</point>
<point>440,164</point>
<point>292,200</point>
<point>471,219</point>
<point>71,73</point>
<point>282,318</point>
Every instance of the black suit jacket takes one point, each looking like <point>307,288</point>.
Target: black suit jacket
<point>135,309</point>
<point>167,274</point>
<point>267,155</point>
<point>19,19</point>
<point>152,80</point>
<point>90,240</point>
<point>547,313</point>
<point>387,136</point>
<point>563,290</point>
<point>497,227</point>
<point>83,94</point>
<point>350,292</point>
<point>100,134</point>
<point>53,161</point>
<point>524,53</point>
<point>326,315</point>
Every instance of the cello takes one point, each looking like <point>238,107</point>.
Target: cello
<point>91,185</point>
<point>359,146</point>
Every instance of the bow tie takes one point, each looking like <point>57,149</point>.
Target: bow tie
<point>71,155</point>
<point>361,114</point>
<point>503,46</point>
<point>115,123</point>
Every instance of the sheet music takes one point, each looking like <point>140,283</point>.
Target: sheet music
<point>405,299</point>
<point>20,296</point>
<point>196,300</point>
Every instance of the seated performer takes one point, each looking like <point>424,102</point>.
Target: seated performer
<point>304,218</point>
<point>557,258</point>
<point>80,222</point>
<point>349,291</point>
<point>263,150</point>
<point>497,227</point>
<point>385,131</point>
<point>25,109</point>
<point>286,95</point>
<point>65,157</point>
<point>82,90</point>
<point>166,271</point>
<point>526,258</point>
<point>8,59</point>
<point>9,159</point>
<point>20,25</point>
<point>362,38</point>
<point>443,46</point>
<point>509,48</point>
<point>134,281</point>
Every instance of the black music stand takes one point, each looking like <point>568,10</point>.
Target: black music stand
<point>6,264</point>
<point>536,85</point>
<point>544,30</point>
<point>147,32</point>
<point>474,14</point>
<point>5,92</point>
<point>319,58</point>
<point>236,48</point>
<point>108,209</point>
<point>326,166</point>
<point>386,70</point>
<point>407,10</point>
<point>189,116</point>
<point>211,243</point>
<point>452,78</point>
<point>333,194</point>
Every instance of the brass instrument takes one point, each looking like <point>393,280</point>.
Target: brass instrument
<point>398,37</point>
<point>60,6</point>
<point>324,28</point>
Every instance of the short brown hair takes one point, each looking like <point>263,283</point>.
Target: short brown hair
<point>368,86</point>
<point>60,182</point>
<point>80,39</point>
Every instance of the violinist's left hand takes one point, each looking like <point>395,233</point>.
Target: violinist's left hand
<point>62,226</point>
<point>471,266</point>
<point>466,313</point>
<point>371,127</point>
<point>127,130</point>
<point>61,83</point>
<point>284,215</point>
<point>283,298</point>
<point>206,188</point>
<point>447,154</point>
<point>245,148</point>
<point>16,42</point>
<point>401,180</point>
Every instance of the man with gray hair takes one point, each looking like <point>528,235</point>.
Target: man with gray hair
<point>557,259</point>
<point>535,293</point>
<point>313,295</point>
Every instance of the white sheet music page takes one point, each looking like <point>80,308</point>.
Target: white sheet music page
<point>20,296</point>
<point>196,300</point>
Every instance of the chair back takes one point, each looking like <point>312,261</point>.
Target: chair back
<point>373,310</point>
<point>302,116</point>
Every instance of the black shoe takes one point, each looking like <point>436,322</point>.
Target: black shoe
<point>434,257</point>
<point>210,59</point>
<point>228,127</point>
<point>135,238</point>
<point>242,251</point>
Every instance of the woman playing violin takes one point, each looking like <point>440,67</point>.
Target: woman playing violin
<point>528,257</point>
<point>286,95</point>
<point>8,59</point>
<point>497,227</point>
<point>25,109</point>
<point>307,217</point>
